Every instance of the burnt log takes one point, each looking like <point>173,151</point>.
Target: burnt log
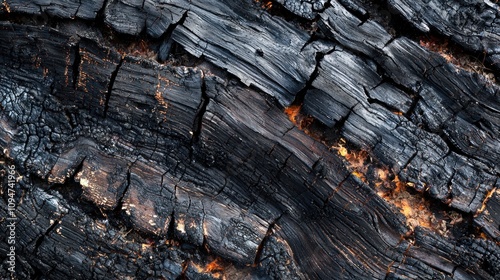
<point>247,140</point>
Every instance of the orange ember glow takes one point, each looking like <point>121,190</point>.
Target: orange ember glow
<point>299,120</point>
<point>293,112</point>
<point>440,46</point>
<point>388,186</point>
<point>406,208</point>
<point>6,5</point>
<point>214,266</point>
<point>360,175</point>
<point>266,4</point>
<point>357,159</point>
<point>488,196</point>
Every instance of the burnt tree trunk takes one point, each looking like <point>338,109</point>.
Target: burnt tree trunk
<point>251,139</point>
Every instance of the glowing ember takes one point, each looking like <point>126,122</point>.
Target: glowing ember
<point>301,121</point>
<point>214,266</point>
<point>389,186</point>
<point>292,112</point>
<point>488,196</point>
<point>359,175</point>
<point>266,4</point>
<point>6,5</point>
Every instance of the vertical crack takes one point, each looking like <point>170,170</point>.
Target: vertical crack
<point>260,248</point>
<point>166,39</point>
<point>76,66</point>
<point>47,232</point>
<point>119,204</point>
<point>413,107</point>
<point>334,191</point>
<point>171,226</point>
<point>100,15</point>
<point>71,117</point>
<point>300,96</point>
<point>110,86</point>
<point>78,9</point>
<point>184,265</point>
<point>341,122</point>
<point>198,120</point>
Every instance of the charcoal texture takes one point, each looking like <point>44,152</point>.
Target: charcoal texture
<point>184,164</point>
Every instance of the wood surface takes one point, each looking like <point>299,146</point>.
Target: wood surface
<point>295,139</point>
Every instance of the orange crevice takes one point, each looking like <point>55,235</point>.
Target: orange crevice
<point>391,188</point>
<point>300,120</point>
<point>214,266</point>
<point>456,56</point>
<point>265,4</point>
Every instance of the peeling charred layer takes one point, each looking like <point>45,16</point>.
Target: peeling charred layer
<point>132,188</point>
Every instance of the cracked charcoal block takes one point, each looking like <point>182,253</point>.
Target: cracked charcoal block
<point>126,16</point>
<point>263,64</point>
<point>392,96</point>
<point>21,46</point>
<point>404,55</point>
<point>344,81</point>
<point>421,157</point>
<point>428,75</point>
<point>472,24</point>
<point>153,16</point>
<point>146,188</point>
<point>188,218</point>
<point>232,233</point>
<point>93,75</point>
<point>460,99</point>
<point>85,65</point>
<point>346,73</point>
<point>465,252</point>
<point>133,169</point>
<point>98,171</point>
<point>367,37</point>
<point>160,16</point>
<point>143,91</point>
<point>489,218</point>
<point>327,110</point>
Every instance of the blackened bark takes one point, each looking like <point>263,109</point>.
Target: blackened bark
<point>132,168</point>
